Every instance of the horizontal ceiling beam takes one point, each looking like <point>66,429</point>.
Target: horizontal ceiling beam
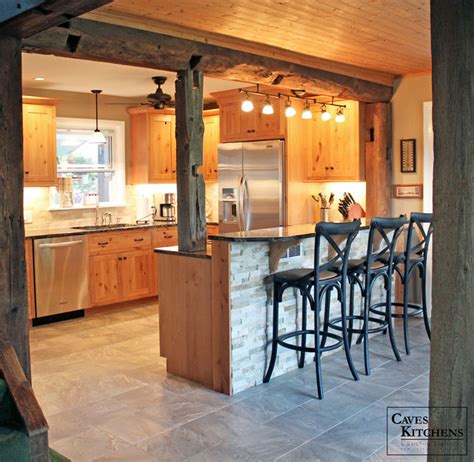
<point>238,43</point>
<point>45,14</point>
<point>92,40</point>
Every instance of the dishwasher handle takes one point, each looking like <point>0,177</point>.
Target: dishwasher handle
<point>60,244</point>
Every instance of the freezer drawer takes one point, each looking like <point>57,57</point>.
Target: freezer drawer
<point>61,275</point>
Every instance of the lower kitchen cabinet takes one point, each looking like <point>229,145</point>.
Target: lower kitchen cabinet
<point>135,274</point>
<point>104,279</point>
<point>161,237</point>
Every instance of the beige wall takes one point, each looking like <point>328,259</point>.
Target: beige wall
<point>407,122</point>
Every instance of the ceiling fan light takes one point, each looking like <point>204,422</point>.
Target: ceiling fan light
<point>325,115</point>
<point>290,111</point>
<point>247,105</point>
<point>340,116</point>
<point>267,108</point>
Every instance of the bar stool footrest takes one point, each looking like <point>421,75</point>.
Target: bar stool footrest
<point>413,306</point>
<point>383,324</point>
<point>281,341</point>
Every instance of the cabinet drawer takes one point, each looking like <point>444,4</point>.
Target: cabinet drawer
<point>164,237</point>
<point>118,241</point>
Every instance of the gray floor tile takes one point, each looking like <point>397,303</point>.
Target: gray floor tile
<point>315,451</point>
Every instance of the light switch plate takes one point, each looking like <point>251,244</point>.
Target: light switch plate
<point>28,216</point>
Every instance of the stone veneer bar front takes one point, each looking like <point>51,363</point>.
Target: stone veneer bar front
<point>240,301</point>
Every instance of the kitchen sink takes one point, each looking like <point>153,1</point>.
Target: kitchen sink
<point>113,226</point>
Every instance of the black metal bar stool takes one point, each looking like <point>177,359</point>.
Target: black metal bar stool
<point>365,272</point>
<point>321,280</point>
<point>414,257</point>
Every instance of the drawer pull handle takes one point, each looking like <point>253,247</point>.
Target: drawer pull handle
<point>138,240</point>
<point>103,243</point>
<point>167,237</point>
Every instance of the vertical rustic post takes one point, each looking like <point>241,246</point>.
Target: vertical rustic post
<point>189,152</point>
<point>13,290</point>
<point>377,160</point>
<point>452,346</point>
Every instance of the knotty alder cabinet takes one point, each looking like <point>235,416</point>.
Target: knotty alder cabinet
<point>153,141</point>
<point>331,150</point>
<point>39,141</point>
<point>236,125</point>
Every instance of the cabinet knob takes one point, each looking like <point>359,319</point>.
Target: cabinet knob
<point>120,258</point>
<point>327,168</point>
<point>27,173</point>
<point>332,168</point>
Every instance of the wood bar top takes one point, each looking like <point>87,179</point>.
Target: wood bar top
<point>281,233</point>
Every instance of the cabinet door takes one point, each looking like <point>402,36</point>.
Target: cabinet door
<point>104,279</point>
<point>230,121</point>
<point>319,148</point>
<point>344,155</point>
<point>211,141</point>
<point>39,145</point>
<point>161,160</point>
<point>267,127</point>
<point>136,274</point>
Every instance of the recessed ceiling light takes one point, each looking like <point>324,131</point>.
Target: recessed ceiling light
<point>39,78</point>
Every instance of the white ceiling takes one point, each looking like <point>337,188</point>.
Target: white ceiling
<point>67,74</point>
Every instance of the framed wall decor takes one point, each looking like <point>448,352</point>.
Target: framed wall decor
<point>408,156</point>
<point>408,191</point>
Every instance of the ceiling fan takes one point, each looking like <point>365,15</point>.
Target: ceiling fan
<point>157,100</point>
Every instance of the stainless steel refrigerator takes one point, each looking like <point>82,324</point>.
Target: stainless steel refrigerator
<point>251,185</point>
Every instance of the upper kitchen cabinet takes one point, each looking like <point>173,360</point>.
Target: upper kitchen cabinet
<point>39,141</point>
<point>236,125</point>
<point>332,151</point>
<point>153,144</point>
<point>210,146</point>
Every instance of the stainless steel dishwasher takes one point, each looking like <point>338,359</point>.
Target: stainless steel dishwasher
<point>61,275</point>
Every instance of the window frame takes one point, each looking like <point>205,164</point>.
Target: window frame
<point>118,183</point>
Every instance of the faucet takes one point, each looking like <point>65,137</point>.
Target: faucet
<point>106,215</point>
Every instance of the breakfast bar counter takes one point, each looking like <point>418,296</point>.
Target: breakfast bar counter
<point>216,306</point>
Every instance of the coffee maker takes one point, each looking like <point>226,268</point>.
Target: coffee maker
<point>168,208</point>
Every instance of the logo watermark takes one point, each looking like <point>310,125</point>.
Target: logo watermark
<point>408,431</point>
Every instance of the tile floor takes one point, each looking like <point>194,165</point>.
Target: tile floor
<point>107,397</point>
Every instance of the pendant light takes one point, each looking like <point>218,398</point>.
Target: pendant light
<point>98,137</point>
<point>247,105</point>
<point>307,114</point>
<point>325,115</point>
<point>267,108</point>
<point>290,111</point>
<point>340,115</point>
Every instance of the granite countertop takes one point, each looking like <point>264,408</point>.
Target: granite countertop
<point>61,232</point>
<point>281,233</point>
<point>173,250</point>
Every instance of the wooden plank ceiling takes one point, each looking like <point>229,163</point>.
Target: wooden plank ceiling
<point>387,36</point>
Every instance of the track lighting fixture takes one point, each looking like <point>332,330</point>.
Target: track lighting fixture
<point>307,114</point>
<point>247,105</point>
<point>290,111</point>
<point>340,115</point>
<point>325,115</point>
<point>268,107</point>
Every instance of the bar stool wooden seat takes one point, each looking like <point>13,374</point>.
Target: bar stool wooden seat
<point>315,284</point>
<point>415,257</point>
<point>378,264</point>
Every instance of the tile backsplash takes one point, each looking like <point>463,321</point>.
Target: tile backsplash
<point>139,198</point>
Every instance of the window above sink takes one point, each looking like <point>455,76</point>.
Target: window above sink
<point>95,170</point>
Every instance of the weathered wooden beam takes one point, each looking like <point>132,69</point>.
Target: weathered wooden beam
<point>98,41</point>
<point>46,14</point>
<point>13,289</point>
<point>189,158</point>
<point>378,172</point>
<point>452,341</point>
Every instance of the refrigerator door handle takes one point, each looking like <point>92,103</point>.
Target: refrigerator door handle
<point>240,205</point>
<point>246,204</point>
